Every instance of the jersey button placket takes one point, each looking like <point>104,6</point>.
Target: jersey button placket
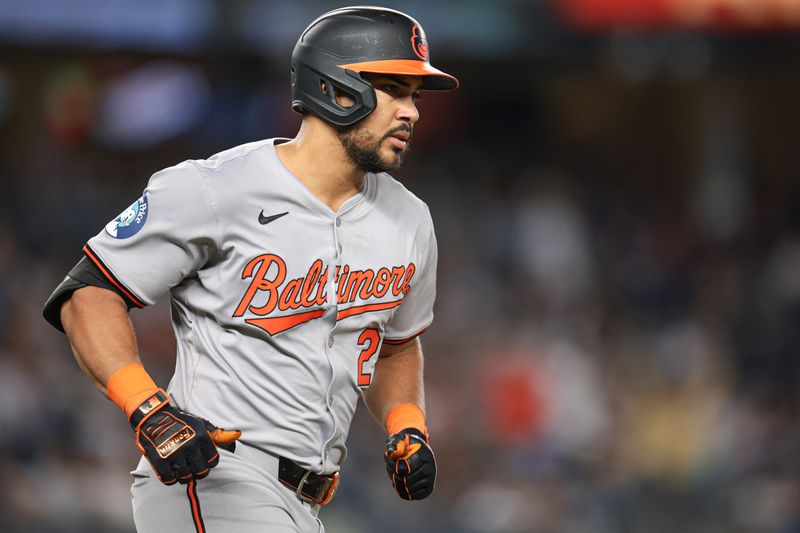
<point>337,223</point>
<point>337,261</point>
<point>331,342</point>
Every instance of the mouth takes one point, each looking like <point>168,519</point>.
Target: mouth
<point>403,135</point>
<point>400,138</point>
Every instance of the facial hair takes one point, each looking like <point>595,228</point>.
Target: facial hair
<point>364,150</point>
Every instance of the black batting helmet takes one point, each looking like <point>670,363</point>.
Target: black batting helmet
<point>341,44</point>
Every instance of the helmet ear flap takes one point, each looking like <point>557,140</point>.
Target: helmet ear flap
<point>315,86</point>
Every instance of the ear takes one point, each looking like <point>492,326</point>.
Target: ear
<point>342,98</point>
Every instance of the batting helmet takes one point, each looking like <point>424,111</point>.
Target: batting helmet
<point>341,44</point>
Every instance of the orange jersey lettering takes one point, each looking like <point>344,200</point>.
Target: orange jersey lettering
<point>268,284</point>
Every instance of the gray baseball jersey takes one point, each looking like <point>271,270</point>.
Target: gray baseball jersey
<point>279,305</point>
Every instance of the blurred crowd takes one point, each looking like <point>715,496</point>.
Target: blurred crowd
<point>619,281</point>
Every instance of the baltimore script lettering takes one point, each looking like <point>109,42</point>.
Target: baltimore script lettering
<point>310,291</point>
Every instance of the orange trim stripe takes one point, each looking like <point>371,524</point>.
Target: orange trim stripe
<point>361,309</point>
<point>405,479</point>
<point>279,324</point>
<point>99,264</point>
<point>409,67</point>
<point>197,515</point>
<point>401,341</point>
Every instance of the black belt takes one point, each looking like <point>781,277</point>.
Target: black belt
<point>309,487</point>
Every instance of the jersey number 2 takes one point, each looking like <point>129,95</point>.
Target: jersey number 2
<point>369,340</point>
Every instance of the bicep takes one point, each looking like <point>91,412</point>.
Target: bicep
<point>84,274</point>
<point>90,300</point>
<point>390,350</point>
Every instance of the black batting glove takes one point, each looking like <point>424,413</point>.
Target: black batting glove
<point>410,464</point>
<point>179,446</point>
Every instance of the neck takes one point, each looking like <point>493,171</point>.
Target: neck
<point>317,158</point>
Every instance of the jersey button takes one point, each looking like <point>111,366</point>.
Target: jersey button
<point>330,342</point>
<point>340,248</point>
<point>338,221</point>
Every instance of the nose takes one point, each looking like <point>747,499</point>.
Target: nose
<point>407,111</point>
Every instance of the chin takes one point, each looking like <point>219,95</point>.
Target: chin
<point>393,163</point>
<point>392,157</point>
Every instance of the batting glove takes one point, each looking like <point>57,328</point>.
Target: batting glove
<point>180,446</point>
<point>410,464</point>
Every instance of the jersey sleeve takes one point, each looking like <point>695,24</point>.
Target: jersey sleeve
<point>415,314</point>
<point>162,238</point>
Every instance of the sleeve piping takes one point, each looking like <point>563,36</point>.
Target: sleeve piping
<point>402,341</point>
<point>107,273</point>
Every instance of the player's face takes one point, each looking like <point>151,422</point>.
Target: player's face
<point>379,142</point>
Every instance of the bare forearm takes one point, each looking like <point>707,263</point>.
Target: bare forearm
<point>398,379</point>
<point>100,333</point>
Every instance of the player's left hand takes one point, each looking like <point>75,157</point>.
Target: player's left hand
<point>410,464</point>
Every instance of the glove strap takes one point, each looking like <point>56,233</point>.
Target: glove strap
<point>148,407</point>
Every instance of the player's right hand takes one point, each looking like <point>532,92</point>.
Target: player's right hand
<point>180,446</point>
<point>410,464</point>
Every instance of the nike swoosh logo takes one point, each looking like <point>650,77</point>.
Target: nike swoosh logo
<point>266,220</point>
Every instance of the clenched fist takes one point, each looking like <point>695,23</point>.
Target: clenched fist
<point>180,446</point>
<point>410,464</point>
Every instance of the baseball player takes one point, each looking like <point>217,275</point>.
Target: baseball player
<point>300,275</point>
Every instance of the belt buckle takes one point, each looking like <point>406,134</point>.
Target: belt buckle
<point>333,483</point>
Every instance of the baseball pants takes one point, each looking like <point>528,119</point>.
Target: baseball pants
<point>238,495</point>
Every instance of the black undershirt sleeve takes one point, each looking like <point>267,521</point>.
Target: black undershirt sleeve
<point>83,274</point>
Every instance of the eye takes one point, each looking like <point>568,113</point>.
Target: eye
<point>416,97</point>
<point>391,88</point>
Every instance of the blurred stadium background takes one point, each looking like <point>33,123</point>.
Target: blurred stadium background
<point>616,189</point>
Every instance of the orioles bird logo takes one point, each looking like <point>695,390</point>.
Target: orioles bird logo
<point>419,43</point>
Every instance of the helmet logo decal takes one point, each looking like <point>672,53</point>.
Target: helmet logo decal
<point>419,43</point>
